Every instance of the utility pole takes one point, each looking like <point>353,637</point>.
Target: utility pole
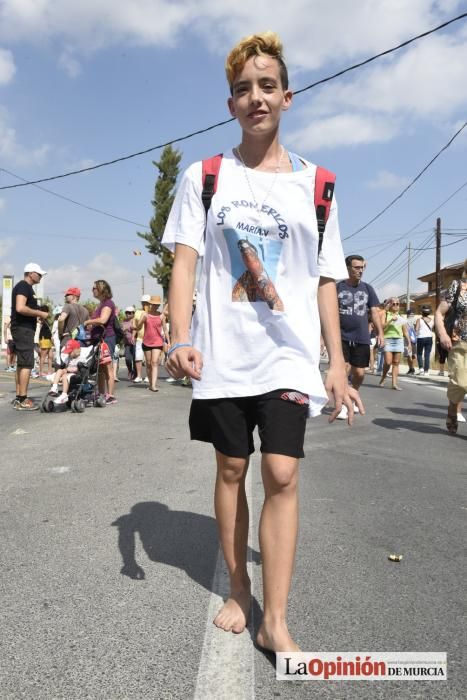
<point>438,262</point>
<point>142,284</point>
<point>407,298</point>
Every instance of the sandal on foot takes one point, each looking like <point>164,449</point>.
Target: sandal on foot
<point>451,423</point>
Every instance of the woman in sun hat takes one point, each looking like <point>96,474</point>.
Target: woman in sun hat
<point>155,332</point>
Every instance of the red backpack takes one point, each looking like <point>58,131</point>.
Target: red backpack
<point>324,190</point>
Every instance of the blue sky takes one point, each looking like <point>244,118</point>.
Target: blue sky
<point>82,83</point>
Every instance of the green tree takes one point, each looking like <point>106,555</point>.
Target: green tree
<point>164,193</point>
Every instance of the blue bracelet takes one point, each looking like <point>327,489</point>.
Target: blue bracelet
<point>178,345</point>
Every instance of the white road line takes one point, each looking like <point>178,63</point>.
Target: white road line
<point>226,669</point>
<point>424,383</point>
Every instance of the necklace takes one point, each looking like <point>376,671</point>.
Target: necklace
<point>259,209</point>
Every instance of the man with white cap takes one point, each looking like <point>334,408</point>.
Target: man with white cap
<point>24,314</point>
<point>139,354</point>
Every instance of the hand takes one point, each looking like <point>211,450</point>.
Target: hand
<point>380,340</point>
<point>185,362</point>
<point>44,314</point>
<point>336,384</point>
<point>445,341</point>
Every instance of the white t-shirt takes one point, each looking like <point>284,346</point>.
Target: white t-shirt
<point>251,346</point>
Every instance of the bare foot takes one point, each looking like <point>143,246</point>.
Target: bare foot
<point>233,616</point>
<point>275,638</point>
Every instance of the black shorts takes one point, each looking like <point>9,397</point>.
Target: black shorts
<point>151,347</point>
<point>442,353</point>
<point>11,346</point>
<point>228,423</point>
<point>356,354</point>
<point>23,337</point>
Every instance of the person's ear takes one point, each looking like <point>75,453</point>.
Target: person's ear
<point>287,100</point>
<point>231,106</point>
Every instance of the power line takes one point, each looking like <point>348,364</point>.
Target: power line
<point>419,223</point>
<point>402,267</point>
<point>74,201</point>
<point>417,177</point>
<point>445,245</point>
<point>382,273</point>
<point>227,121</point>
<point>73,237</point>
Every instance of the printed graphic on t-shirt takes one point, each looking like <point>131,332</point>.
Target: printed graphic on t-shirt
<point>254,260</point>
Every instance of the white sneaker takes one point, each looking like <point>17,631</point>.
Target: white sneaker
<point>63,398</point>
<point>171,380</point>
<point>460,418</point>
<point>137,380</point>
<point>421,372</point>
<point>146,380</point>
<point>343,413</point>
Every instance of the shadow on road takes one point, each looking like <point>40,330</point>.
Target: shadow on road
<point>422,412</point>
<point>428,428</point>
<point>179,538</point>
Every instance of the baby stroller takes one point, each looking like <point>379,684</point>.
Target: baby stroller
<point>83,389</point>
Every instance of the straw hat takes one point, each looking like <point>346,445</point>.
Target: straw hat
<point>156,300</point>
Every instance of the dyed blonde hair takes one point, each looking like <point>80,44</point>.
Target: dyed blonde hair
<point>265,44</point>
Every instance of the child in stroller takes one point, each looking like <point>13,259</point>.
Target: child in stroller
<point>78,364</point>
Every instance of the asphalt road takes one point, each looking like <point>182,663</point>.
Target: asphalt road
<point>110,565</point>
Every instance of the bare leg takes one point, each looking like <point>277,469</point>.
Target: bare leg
<point>154,364</point>
<point>396,357</point>
<point>42,354</point>
<point>22,380</point>
<point>110,378</point>
<point>138,368</point>
<point>357,375</point>
<point>147,358</point>
<point>278,538</point>
<point>232,521</point>
<point>386,366</point>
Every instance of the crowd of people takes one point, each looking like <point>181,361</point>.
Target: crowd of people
<point>39,348</point>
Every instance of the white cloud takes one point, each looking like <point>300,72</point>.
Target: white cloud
<point>386,180</point>
<point>2,203</point>
<point>343,129</point>
<point>69,64</point>
<point>314,31</point>
<point>7,66</point>
<point>427,82</point>
<point>125,284</point>
<point>11,151</point>
<point>389,290</point>
<point>6,244</point>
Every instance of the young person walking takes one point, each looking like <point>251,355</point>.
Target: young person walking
<point>253,352</point>
<point>155,335</point>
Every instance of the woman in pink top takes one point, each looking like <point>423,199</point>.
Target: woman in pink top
<point>155,334</point>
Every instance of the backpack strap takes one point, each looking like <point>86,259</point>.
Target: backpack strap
<point>211,167</point>
<point>324,190</point>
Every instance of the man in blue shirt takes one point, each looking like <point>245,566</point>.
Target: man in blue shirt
<point>358,304</point>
